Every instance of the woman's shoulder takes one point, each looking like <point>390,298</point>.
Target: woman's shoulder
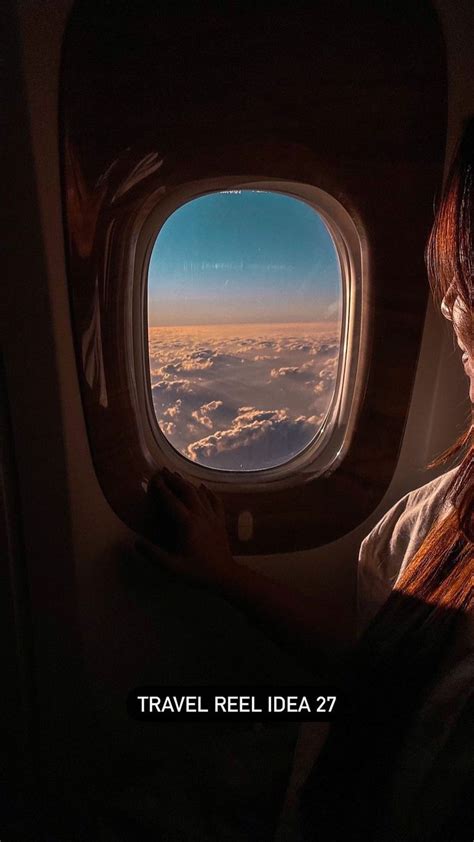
<point>409,520</point>
<point>420,508</point>
<point>395,539</point>
<point>432,493</point>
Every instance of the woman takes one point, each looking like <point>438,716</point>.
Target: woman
<point>401,765</point>
<point>398,766</point>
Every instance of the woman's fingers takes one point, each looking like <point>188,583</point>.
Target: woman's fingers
<point>183,489</point>
<point>205,498</point>
<point>213,500</point>
<point>181,497</point>
<point>168,498</point>
<point>218,505</point>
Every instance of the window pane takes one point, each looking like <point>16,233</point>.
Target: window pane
<point>244,304</point>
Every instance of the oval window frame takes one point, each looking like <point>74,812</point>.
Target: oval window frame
<point>327,449</point>
<point>328,125</point>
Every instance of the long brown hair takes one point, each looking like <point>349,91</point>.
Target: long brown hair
<point>442,571</point>
<point>431,574</point>
<point>449,253</point>
<point>399,656</point>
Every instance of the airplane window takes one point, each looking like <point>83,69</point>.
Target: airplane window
<point>246,273</point>
<point>245,310</point>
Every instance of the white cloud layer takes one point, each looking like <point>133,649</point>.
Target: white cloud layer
<point>242,397</point>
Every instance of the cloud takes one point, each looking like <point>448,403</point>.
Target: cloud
<point>194,365</point>
<point>327,376</point>
<point>302,371</point>
<point>258,393</point>
<point>202,415</point>
<point>257,439</point>
<point>262,357</point>
<point>174,410</point>
<point>327,349</point>
<point>284,371</point>
<point>167,426</point>
<point>172,386</point>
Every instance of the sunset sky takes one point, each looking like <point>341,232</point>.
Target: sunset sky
<point>241,257</point>
<point>244,328</point>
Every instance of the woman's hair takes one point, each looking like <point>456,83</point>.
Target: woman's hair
<point>398,657</point>
<point>450,248</point>
<point>450,264</point>
<point>449,259</point>
<point>441,573</point>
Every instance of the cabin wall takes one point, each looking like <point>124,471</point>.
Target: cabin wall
<point>440,409</point>
<point>94,629</point>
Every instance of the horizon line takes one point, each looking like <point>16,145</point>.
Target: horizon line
<point>248,324</point>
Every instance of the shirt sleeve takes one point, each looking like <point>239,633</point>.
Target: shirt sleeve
<point>379,565</point>
<point>394,541</point>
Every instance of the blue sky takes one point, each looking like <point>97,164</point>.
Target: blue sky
<point>241,257</point>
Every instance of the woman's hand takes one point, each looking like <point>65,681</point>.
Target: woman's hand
<point>197,548</point>
<point>201,551</point>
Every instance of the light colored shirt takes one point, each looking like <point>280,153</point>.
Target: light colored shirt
<point>388,548</point>
<point>447,710</point>
<point>383,556</point>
